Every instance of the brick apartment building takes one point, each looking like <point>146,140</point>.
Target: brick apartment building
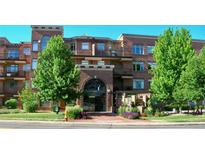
<point>111,70</point>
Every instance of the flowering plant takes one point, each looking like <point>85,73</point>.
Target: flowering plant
<point>131,115</point>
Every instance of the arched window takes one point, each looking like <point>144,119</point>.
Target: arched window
<point>44,41</point>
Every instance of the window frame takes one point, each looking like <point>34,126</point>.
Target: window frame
<point>32,65</point>
<point>36,45</point>
<point>135,67</point>
<point>134,49</point>
<point>84,62</point>
<point>12,68</point>
<point>44,42</point>
<point>13,53</point>
<point>135,84</point>
<point>101,63</point>
<point>26,67</point>
<point>83,45</point>
<point>28,53</point>
<point>99,45</point>
<point>150,46</point>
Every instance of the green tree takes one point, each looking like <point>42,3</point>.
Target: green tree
<point>192,82</point>
<point>172,52</point>
<point>29,100</point>
<point>56,76</point>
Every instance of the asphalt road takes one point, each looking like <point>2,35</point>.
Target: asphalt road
<point>68,125</point>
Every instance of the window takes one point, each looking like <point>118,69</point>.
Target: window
<point>137,49</point>
<point>84,62</point>
<point>12,68</point>
<point>101,63</point>
<point>150,49</point>
<point>44,42</point>
<point>26,51</point>
<point>12,84</point>
<point>72,46</point>
<point>100,46</point>
<point>151,65</point>
<point>85,46</point>
<point>13,53</point>
<point>138,84</point>
<point>26,67</point>
<point>138,66</point>
<point>35,46</point>
<point>34,63</point>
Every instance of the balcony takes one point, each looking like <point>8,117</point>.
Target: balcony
<point>19,74</point>
<point>123,72</point>
<point>8,56</point>
<point>110,53</point>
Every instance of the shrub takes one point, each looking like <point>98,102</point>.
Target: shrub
<point>148,111</point>
<point>11,104</point>
<point>29,100</point>
<point>53,107</point>
<point>134,109</point>
<point>121,109</point>
<point>160,114</point>
<point>73,112</point>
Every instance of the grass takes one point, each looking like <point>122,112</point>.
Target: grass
<point>178,118</point>
<point>39,116</point>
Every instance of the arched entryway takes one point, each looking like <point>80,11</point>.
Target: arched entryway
<point>94,95</point>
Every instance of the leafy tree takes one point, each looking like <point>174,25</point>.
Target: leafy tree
<point>192,81</point>
<point>172,52</point>
<point>56,76</point>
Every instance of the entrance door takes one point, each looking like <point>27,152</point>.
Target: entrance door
<point>95,95</point>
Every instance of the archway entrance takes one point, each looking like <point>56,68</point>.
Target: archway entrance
<point>95,95</point>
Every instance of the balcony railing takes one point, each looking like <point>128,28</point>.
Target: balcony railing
<point>8,56</point>
<point>111,53</point>
<point>122,71</point>
<point>13,74</point>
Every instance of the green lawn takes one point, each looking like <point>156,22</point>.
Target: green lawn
<point>178,118</point>
<point>33,116</point>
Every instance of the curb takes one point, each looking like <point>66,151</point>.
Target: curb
<point>109,123</point>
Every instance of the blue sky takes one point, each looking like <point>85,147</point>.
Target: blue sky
<point>23,33</point>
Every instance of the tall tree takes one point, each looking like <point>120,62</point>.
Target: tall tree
<point>192,82</point>
<point>56,76</point>
<point>172,52</point>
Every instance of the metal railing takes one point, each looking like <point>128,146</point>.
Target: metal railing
<point>122,71</point>
<point>8,56</point>
<point>13,74</point>
<point>110,53</point>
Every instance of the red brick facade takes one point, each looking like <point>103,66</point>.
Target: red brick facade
<point>110,61</point>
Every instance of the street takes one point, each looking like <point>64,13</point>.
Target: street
<point>73,125</point>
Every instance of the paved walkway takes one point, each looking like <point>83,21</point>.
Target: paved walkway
<point>108,118</point>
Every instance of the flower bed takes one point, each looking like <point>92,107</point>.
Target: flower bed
<point>131,115</point>
<point>129,112</point>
